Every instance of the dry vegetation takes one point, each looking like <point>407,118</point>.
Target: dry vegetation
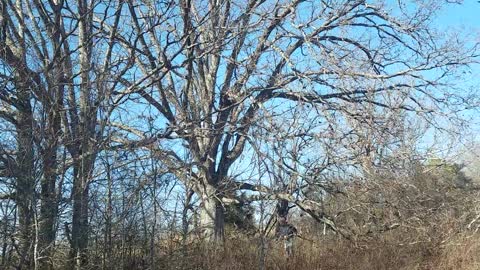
<point>435,227</point>
<point>190,134</point>
<point>333,253</point>
<point>460,252</point>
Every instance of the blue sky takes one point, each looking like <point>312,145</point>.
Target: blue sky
<point>465,19</point>
<point>466,14</point>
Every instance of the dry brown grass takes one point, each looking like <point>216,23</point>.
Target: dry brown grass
<point>332,253</point>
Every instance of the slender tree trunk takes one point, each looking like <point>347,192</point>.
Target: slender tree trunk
<point>153,232</point>
<point>53,105</point>
<point>5,233</point>
<point>80,217</point>
<point>107,250</point>
<point>86,137</point>
<point>24,171</point>
<point>48,211</point>
<point>25,186</point>
<point>76,219</point>
<point>185,223</point>
<point>79,236</point>
<point>49,201</point>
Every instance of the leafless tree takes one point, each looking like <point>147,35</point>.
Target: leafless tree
<point>40,45</point>
<point>134,97</point>
<point>211,68</point>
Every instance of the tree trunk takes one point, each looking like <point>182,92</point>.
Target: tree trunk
<point>212,215</point>
<point>24,171</point>
<point>53,105</point>
<point>25,186</point>
<point>86,153</point>
<point>78,252</point>
<point>48,211</point>
<point>185,222</point>
<point>49,200</point>
<point>107,238</point>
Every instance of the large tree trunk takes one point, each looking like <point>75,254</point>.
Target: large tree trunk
<point>212,215</point>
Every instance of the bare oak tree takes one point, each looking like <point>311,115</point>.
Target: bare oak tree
<point>133,97</point>
<point>211,67</point>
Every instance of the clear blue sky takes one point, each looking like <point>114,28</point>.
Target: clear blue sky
<point>465,19</point>
<point>466,14</point>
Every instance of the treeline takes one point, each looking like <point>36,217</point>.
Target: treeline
<point>134,130</point>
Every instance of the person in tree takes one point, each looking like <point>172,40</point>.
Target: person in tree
<point>287,233</point>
